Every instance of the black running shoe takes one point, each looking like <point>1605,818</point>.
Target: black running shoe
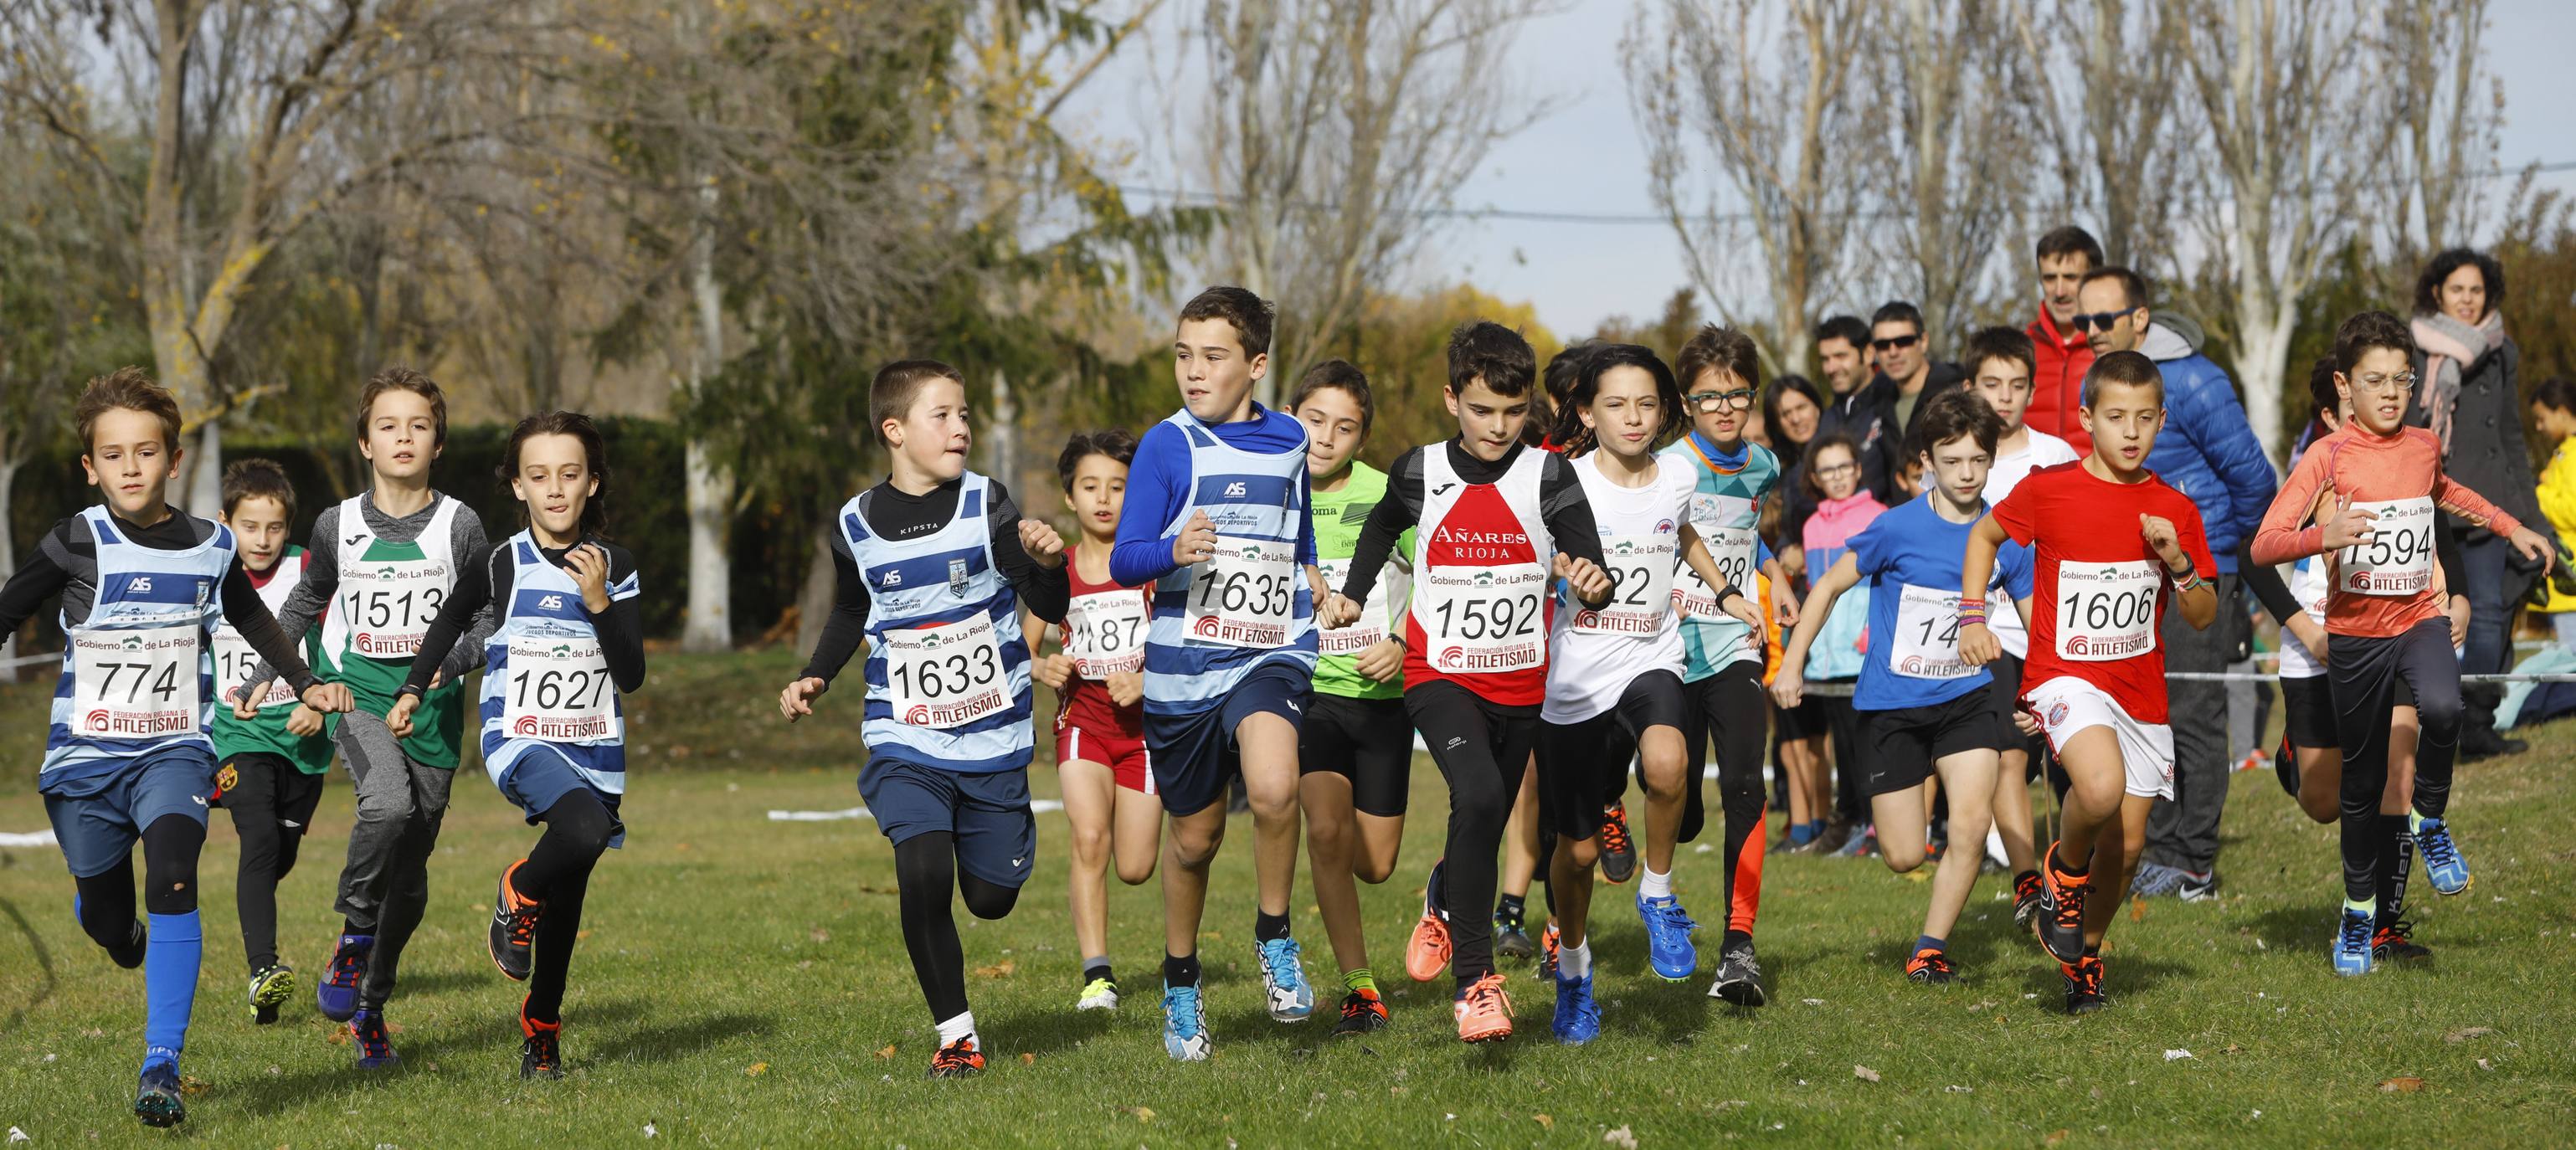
<point>541,1053</point>
<point>2083,984</point>
<point>514,926</point>
<point>156,1097</point>
<point>2061,910</point>
<point>1363,1012</point>
<point>1511,940</point>
<point>958,1059</point>
<point>130,955</point>
<point>2395,942</point>
<point>1739,976</point>
<point>1618,851</point>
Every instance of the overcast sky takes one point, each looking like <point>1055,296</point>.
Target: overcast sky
<point>1586,158</point>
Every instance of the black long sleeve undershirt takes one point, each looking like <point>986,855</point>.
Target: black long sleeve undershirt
<point>1563,510</point>
<point>482,587</point>
<point>2280,604</point>
<point>896,515</point>
<point>65,563</point>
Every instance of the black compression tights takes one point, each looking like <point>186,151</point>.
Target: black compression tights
<point>925,871</point>
<point>557,875</point>
<point>1727,708</point>
<point>170,847</point>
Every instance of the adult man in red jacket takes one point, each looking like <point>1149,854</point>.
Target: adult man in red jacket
<point>2057,379</point>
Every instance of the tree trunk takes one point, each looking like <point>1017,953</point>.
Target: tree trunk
<point>1005,458</point>
<point>814,600</point>
<point>8,551</point>
<point>709,621</point>
<point>2261,359</point>
<point>202,483</point>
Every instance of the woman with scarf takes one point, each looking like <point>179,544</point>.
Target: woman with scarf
<point>2467,390</point>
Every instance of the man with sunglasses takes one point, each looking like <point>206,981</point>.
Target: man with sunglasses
<point>1883,410</point>
<point>2207,451</point>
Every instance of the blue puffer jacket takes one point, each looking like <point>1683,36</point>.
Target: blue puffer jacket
<point>2207,450</point>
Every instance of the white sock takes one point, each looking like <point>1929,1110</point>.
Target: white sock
<point>962,1026</point>
<point>1573,962</point>
<point>1655,885</point>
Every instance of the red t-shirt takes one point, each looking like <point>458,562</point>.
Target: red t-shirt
<point>2083,532</point>
<point>1104,625</point>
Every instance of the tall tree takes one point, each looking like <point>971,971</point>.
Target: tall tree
<point>1336,135</point>
<point>2446,111</point>
<point>2102,81</point>
<point>1947,166</point>
<point>2294,140</point>
<point>1768,103</point>
<point>249,107</point>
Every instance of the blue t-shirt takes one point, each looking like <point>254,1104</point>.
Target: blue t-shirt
<point>1911,557</point>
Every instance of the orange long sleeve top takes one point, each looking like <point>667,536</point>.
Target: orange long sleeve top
<point>2389,583</point>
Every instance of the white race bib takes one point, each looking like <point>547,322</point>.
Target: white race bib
<point>391,604</point>
<point>2106,611</point>
<point>2397,561</point>
<point>1642,565</point>
<point>1104,633</point>
<point>1478,620</point>
<point>1245,594</point>
<point>1370,629</point>
<point>234,661</point>
<point>135,684</point>
<point>1732,548</point>
<point>1926,643</point>
<point>940,677</point>
<point>559,691</point>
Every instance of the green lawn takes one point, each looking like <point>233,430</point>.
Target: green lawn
<point>742,983</point>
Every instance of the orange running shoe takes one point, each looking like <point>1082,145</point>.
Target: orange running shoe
<point>1931,968</point>
<point>958,1059</point>
<point>514,926</point>
<point>1484,1012</point>
<point>1427,955</point>
<point>1618,851</point>
<point>2083,984</point>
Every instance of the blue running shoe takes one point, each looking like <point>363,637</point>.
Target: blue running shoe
<point>1283,981</point>
<point>375,1047</point>
<point>2352,943</point>
<point>2156,880</point>
<point>336,994</point>
<point>156,1097</point>
<point>1668,937</point>
<point>1185,1035</point>
<point>1578,1017</point>
<point>2442,861</point>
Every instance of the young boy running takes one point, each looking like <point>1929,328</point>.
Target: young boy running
<point>126,758</point>
<point>1923,709</point>
<point>1355,750</point>
<point>1222,531</point>
<point>2385,622</point>
<point>1614,674</point>
<point>1498,521</point>
<point>273,763</point>
<point>2311,761</point>
<point>1720,375</point>
<point>569,642</point>
<point>1098,675</point>
<point>931,565</point>
<point>382,564</point>
<point>2001,360</point>
<point>2096,679</point>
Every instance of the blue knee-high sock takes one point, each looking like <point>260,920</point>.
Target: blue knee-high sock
<point>170,960</point>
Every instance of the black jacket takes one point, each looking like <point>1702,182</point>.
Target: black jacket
<point>1868,415</point>
<point>2487,450</point>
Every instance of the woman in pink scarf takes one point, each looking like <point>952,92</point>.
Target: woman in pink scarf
<point>2467,390</point>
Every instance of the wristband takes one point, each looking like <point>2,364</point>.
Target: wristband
<point>2188,581</point>
<point>1724,592</point>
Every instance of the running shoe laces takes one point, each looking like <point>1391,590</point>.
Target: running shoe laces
<point>1614,830</point>
<point>2356,933</point>
<point>1666,914</point>
<point>1279,959</point>
<point>2435,841</point>
<point>959,1057</point>
<point>1181,1008</point>
<point>1929,963</point>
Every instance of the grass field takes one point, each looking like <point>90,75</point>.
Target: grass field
<point>742,983</point>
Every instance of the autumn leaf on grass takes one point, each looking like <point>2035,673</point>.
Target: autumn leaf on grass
<point>886,1051</point>
<point>1142,1113</point>
<point>2056,1137</point>
<point>2137,910</point>
<point>1544,1122</point>
<point>2466,1033</point>
<point>336,1036</point>
<point>756,1069</point>
<point>1000,969</point>
<point>1864,1073</point>
<point>819,934</point>
<point>191,1085</point>
<point>2405,1085</point>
